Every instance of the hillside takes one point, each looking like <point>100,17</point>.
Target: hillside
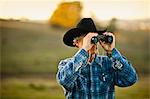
<point>38,48</point>
<point>31,47</point>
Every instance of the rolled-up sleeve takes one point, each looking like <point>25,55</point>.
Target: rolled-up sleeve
<point>68,70</point>
<point>125,74</point>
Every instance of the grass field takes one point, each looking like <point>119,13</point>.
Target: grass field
<point>36,49</point>
<point>37,88</point>
<point>32,47</point>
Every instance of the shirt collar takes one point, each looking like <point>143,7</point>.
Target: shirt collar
<point>98,59</point>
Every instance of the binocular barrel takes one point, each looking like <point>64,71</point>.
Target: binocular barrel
<point>107,39</point>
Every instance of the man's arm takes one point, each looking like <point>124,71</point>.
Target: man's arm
<point>68,70</point>
<point>125,74</point>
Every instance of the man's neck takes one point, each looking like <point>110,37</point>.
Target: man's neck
<point>92,56</point>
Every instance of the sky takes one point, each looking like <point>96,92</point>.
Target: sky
<point>101,9</point>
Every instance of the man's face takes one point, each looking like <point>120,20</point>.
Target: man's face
<point>78,42</point>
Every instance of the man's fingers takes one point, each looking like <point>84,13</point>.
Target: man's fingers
<point>102,44</point>
<point>107,46</point>
<point>109,34</point>
<point>90,35</point>
<point>93,34</point>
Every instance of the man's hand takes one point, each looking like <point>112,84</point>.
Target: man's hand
<point>108,47</point>
<point>87,41</point>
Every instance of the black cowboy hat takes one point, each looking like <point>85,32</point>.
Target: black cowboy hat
<point>85,26</point>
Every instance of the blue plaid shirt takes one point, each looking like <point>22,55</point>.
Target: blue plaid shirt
<point>95,80</point>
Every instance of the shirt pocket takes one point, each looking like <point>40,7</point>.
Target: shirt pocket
<point>106,80</point>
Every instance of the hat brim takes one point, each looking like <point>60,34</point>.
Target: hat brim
<point>76,32</point>
<point>71,35</point>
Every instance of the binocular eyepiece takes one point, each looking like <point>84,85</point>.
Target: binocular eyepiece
<point>106,38</point>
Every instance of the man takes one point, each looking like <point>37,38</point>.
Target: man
<point>88,75</point>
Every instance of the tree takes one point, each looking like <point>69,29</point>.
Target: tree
<point>112,25</point>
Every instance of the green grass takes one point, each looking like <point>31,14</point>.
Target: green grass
<point>140,90</point>
<point>31,49</point>
<point>27,88</point>
<point>40,88</point>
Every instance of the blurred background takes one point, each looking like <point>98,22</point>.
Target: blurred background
<point>31,33</point>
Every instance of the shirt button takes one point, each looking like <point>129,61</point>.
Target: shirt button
<point>80,63</point>
<point>104,79</point>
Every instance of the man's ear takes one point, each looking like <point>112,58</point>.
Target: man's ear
<point>77,44</point>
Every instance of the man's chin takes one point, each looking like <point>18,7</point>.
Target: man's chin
<point>92,51</point>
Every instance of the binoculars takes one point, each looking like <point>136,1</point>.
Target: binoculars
<point>106,38</point>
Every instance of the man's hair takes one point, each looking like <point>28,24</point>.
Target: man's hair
<point>78,39</point>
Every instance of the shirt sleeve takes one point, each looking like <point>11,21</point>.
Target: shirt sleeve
<point>68,70</point>
<point>124,75</point>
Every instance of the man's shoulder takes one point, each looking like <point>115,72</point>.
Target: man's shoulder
<point>64,61</point>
